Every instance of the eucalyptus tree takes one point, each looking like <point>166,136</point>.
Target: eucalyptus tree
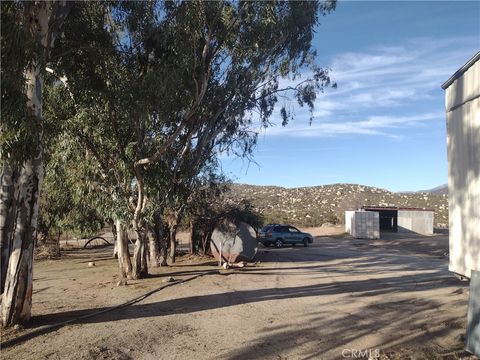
<point>164,85</point>
<point>29,30</point>
<point>227,59</point>
<point>115,86</point>
<point>93,95</point>
<point>73,197</point>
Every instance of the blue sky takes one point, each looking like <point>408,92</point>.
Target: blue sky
<point>384,125</point>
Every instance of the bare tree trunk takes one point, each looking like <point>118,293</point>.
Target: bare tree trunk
<point>163,250</point>
<point>17,295</point>
<point>173,220</point>
<point>7,209</point>
<point>173,243</point>
<point>124,262</point>
<point>159,235</point>
<point>44,20</point>
<point>154,255</point>
<point>114,236</point>
<point>192,235</point>
<point>140,268</point>
<point>205,240</point>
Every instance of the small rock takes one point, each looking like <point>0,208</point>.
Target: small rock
<point>91,264</point>
<point>225,266</point>
<point>18,327</point>
<point>122,282</point>
<point>168,279</point>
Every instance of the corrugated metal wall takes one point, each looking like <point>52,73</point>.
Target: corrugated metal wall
<point>463,144</point>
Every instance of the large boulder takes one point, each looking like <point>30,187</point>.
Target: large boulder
<point>238,242</point>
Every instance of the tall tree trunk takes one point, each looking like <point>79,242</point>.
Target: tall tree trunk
<point>43,20</point>
<point>164,248</point>
<point>17,295</point>
<point>114,237</point>
<point>173,243</point>
<point>206,240</point>
<point>160,236</point>
<point>140,268</point>
<point>124,261</point>
<point>7,209</point>
<point>173,221</point>
<point>192,236</point>
<point>154,256</point>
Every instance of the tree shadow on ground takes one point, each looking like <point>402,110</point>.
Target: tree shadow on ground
<point>354,288</point>
<point>335,259</point>
<point>323,338</point>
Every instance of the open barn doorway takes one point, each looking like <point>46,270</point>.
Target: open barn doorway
<point>388,218</point>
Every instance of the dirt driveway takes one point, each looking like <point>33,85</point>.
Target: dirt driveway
<point>339,298</point>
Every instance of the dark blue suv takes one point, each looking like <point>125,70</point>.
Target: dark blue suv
<point>279,235</point>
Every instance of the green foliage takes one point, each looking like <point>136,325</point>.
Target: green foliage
<point>19,138</point>
<point>245,212</point>
<point>135,74</point>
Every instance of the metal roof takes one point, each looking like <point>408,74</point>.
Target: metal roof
<point>461,71</point>
<point>395,208</point>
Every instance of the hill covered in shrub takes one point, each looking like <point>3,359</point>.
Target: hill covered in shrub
<point>317,205</point>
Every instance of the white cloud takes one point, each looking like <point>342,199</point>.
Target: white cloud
<point>377,85</point>
<point>398,72</point>
<point>373,125</point>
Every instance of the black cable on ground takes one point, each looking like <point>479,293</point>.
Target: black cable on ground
<point>46,328</point>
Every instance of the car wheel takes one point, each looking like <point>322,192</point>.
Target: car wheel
<point>305,242</point>
<point>278,243</point>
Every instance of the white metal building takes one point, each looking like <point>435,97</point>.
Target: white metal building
<point>403,219</point>
<point>462,102</point>
<point>415,220</point>
<point>362,224</point>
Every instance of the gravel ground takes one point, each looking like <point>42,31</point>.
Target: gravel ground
<point>338,298</point>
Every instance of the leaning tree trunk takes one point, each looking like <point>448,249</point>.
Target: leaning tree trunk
<point>124,262</point>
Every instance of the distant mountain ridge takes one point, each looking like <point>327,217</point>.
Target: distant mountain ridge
<point>442,189</point>
<point>317,205</point>
<point>439,190</point>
